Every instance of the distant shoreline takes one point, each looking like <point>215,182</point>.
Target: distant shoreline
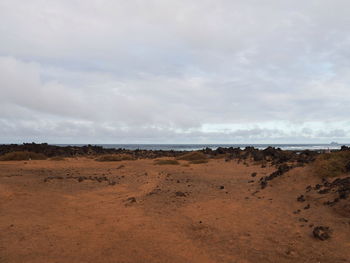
<point>195,147</point>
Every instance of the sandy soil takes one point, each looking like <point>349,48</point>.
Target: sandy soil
<point>171,213</point>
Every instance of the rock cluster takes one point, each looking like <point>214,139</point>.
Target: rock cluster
<point>70,151</point>
<point>81,179</point>
<point>322,232</point>
<point>340,186</point>
<point>280,171</point>
<point>271,154</point>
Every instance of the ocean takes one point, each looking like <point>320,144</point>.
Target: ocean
<point>193,147</point>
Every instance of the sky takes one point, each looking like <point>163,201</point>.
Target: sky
<point>174,71</point>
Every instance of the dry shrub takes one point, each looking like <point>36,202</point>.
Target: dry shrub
<point>166,162</point>
<point>21,156</point>
<point>114,158</point>
<point>192,156</point>
<point>332,164</point>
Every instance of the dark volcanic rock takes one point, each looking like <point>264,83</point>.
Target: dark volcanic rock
<point>301,198</point>
<point>280,171</point>
<point>345,148</point>
<point>131,200</point>
<point>274,155</point>
<point>322,232</point>
<point>181,194</point>
<point>69,151</point>
<point>340,186</point>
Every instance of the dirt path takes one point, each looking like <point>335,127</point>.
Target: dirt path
<point>80,210</point>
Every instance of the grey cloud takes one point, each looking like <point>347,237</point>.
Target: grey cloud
<point>162,70</point>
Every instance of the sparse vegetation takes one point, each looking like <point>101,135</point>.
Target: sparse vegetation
<point>332,164</point>
<point>199,161</point>
<point>57,158</point>
<point>193,156</point>
<point>166,162</point>
<point>114,158</point>
<point>21,156</point>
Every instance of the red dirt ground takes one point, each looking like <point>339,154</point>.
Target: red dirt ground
<point>162,213</point>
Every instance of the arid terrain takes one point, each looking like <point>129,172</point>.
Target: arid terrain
<point>134,211</point>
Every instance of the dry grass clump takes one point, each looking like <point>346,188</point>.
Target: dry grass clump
<point>192,156</point>
<point>166,162</point>
<point>21,156</point>
<point>199,161</point>
<point>114,158</point>
<point>332,164</point>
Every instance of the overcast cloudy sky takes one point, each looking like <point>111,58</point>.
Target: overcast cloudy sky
<point>174,71</point>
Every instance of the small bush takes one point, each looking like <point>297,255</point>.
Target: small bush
<point>114,158</point>
<point>21,156</point>
<point>192,156</point>
<point>332,164</point>
<point>166,162</point>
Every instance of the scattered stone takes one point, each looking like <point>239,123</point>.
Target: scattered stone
<point>307,207</point>
<point>322,232</point>
<point>78,178</point>
<point>318,186</point>
<point>280,171</point>
<point>221,187</point>
<point>111,183</point>
<point>12,175</point>
<point>131,200</point>
<point>340,186</point>
<point>181,194</point>
<point>155,191</point>
<point>253,174</point>
<point>301,198</point>
<point>324,191</point>
<point>52,178</point>
<point>303,220</point>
